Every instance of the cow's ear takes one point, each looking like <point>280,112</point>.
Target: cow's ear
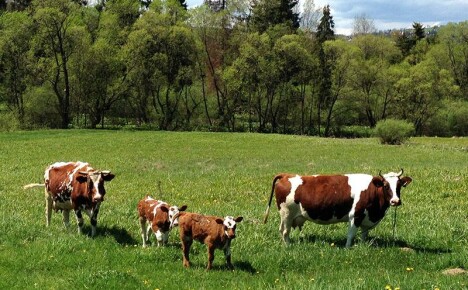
<point>183,208</point>
<point>238,219</point>
<point>164,208</point>
<point>378,181</point>
<point>107,176</point>
<point>81,178</point>
<point>406,180</point>
<point>219,221</point>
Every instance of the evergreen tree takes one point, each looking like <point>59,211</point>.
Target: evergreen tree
<point>266,14</point>
<point>325,28</point>
<point>324,32</point>
<point>419,32</point>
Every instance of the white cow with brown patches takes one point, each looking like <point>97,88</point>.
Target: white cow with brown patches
<point>74,186</point>
<point>161,216</point>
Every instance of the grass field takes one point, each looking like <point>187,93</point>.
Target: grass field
<point>230,174</point>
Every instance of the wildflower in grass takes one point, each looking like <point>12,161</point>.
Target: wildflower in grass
<point>388,287</point>
<point>409,269</point>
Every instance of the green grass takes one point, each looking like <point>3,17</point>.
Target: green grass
<point>230,174</point>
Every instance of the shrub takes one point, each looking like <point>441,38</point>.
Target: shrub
<point>8,121</point>
<point>393,131</point>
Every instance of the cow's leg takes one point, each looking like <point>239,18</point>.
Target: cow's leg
<point>364,233</point>
<point>66,217</point>
<point>211,250</point>
<point>227,255</point>
<point>79,220</point>
<point>159,237</point>
<point>186,244</point>
<point>286,223</point>
<point>352,230</point>
<point>48,208</point>
<point>93,217</point>
<point>143,230</point>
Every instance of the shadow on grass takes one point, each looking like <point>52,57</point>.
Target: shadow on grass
<point>374,242</point>
<point>121,236</point>
<point>238,266</point>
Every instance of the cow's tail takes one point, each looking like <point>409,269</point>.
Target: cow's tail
<point>271,197</point>
<point>31,185</point>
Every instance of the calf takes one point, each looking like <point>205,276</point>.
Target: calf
<point>161,217</point>
<point>77,186</point>
<point>214,232</point>
<point>359,199</point>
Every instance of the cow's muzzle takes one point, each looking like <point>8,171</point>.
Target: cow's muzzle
<point>395,202</point>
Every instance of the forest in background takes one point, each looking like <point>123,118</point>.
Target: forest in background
<point>258,66</point>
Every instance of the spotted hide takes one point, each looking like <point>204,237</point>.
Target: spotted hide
<point>360,199</point>
<point>74,186</point>
<point>161,218</point>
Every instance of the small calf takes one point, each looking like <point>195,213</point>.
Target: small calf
<point>161,217</point>
<point>214,232</point>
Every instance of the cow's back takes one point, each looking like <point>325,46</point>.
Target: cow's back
<point>59,176</point>
<point>198,226</point>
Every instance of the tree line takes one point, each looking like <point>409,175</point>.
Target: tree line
<point>257,66</point>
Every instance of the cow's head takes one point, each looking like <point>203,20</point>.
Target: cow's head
<point>392,183</point>
<point>229,224</point>
<point>174,212</point>
<point>95,183</point>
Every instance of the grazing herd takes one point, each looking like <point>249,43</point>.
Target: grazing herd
<point>360,199</point>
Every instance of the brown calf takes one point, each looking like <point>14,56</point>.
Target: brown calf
<point>161,217</point>
<point>214,232</point>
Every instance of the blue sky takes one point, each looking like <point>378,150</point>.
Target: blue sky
<point>390,14</point>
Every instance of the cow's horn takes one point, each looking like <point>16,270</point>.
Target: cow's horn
<point>83,173</point>
<point>105,172</point>
<point>400,173</point>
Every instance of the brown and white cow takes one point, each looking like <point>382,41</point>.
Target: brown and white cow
<point>359,199</point>
<point>214,232</point>
<point>161,218</point>
<point>77,186</point>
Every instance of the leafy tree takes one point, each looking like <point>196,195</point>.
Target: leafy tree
<point>15,35</point>
<point>369,76</point>
<point>161,54</point>
<point>54,44</point>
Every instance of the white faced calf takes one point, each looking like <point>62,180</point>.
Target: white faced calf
<point>214,232</point>
<point>161,217</point>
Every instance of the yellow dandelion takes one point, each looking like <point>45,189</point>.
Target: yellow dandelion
<point>332,244</point>
<point>388,287</point>
<point>436,288</point>
<point>409,269</point>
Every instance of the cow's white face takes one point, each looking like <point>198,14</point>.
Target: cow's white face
<point>392,178</point>
<point>95,183</point>
<point>229,224</point>
<point>173,215</point>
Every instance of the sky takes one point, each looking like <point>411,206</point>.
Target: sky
<point>389,14</point>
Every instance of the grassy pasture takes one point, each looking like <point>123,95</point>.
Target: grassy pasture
<point>230,174</point>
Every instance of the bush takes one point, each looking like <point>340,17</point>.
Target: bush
<point>393,132</point>
<point>8,121</point>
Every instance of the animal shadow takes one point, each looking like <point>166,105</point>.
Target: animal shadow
<point>121,236</point>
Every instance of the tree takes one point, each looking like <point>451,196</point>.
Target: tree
<point>268,13</point>
<point>310,16</point>
<point>161,54</point>
<point>324,33</point>
<point>363,25</point>
<point>369,78</point>
<point>55,42</point>
<point>16,33</point>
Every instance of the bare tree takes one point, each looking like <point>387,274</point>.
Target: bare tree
<point>363,25</point>
<point>310,16</point>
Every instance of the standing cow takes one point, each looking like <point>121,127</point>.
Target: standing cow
<point>161,217</point>
<point>74,185</point>
<point>215,232</point>
<point>359,199</point>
